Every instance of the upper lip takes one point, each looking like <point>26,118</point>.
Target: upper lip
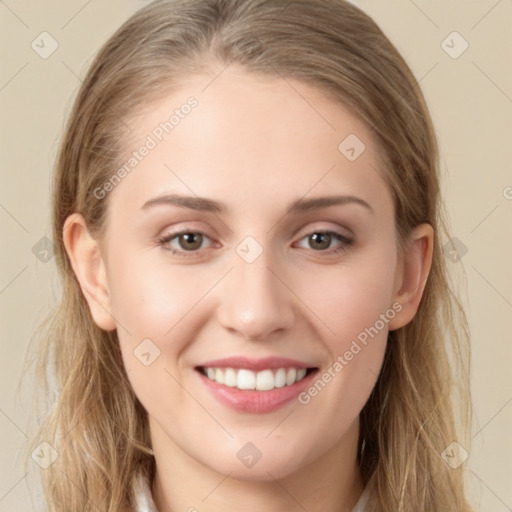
<point>247,363</point>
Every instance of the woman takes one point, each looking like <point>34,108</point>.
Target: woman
<point>255,311</point>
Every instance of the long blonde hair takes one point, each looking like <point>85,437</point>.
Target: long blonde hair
<point>96,424</point>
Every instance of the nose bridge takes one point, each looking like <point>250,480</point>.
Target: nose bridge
<point>256,303</point>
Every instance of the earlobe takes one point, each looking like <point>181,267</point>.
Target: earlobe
<point>85,256</point>
<point>416,265</point>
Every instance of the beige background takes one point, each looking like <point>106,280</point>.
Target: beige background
<point>471,102</point>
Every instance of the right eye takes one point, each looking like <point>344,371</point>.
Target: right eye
<point>183,242</point>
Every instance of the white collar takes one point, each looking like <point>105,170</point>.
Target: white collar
<point>144,500</point>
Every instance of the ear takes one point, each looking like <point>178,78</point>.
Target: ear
<point>85,257</point>
<point>412,274</point>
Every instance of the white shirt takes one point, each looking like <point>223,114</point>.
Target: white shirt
<point>144,501</point>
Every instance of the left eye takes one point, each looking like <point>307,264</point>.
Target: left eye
<point>322,240</point>
<point>185,241</point>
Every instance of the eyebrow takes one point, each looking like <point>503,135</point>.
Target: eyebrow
<point>209,205</point>
<point>191,202</point>
<point>322,202</point>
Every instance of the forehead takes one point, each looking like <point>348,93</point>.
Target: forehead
<point>248,138</point>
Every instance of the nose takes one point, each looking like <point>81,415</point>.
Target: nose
<point>255,302</point>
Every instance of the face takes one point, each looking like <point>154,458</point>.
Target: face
<point>252,272</point>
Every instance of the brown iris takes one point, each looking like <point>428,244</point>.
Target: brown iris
<point>320,241</point>
<point>190,241</point>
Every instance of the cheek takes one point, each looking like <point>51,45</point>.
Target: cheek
<point>163,303</point>
<point>351,296</point>
<point>149,303</point>
<point>149,296</point>
<point>355,302</point>
<point>146,302</point>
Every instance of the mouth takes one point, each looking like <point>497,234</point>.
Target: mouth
<point>255,386</point>
<point>264,380</point>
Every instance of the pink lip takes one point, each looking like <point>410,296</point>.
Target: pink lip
<point>255,365</point>
<point>253,401</point>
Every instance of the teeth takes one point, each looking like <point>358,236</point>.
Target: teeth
<point>264,380</point>
<point>301,373</point>
<point>219,376</point>
<point>280,378</point>
<point>245,379</point>
<point>291,375</point>
<point>229,377</point>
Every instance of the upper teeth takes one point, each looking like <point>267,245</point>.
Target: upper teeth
<point>260,381</point>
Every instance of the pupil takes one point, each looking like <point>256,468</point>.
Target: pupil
<point>320,240</point>
<point>191,241</point>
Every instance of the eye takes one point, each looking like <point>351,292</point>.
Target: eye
<point>324,240</point>
<point>185,241</point>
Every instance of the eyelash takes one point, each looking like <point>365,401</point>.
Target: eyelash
<point>164,241</point>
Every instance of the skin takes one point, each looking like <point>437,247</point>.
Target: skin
<point>256,144</point>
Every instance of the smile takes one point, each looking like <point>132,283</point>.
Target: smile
<point>255,385</point>
<point>264,380</point>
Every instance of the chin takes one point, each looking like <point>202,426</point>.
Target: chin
<point>268,464</point>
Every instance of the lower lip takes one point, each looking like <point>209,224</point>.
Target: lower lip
<point>252,401</point>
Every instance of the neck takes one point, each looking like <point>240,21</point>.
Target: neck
<point>331,483</point>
